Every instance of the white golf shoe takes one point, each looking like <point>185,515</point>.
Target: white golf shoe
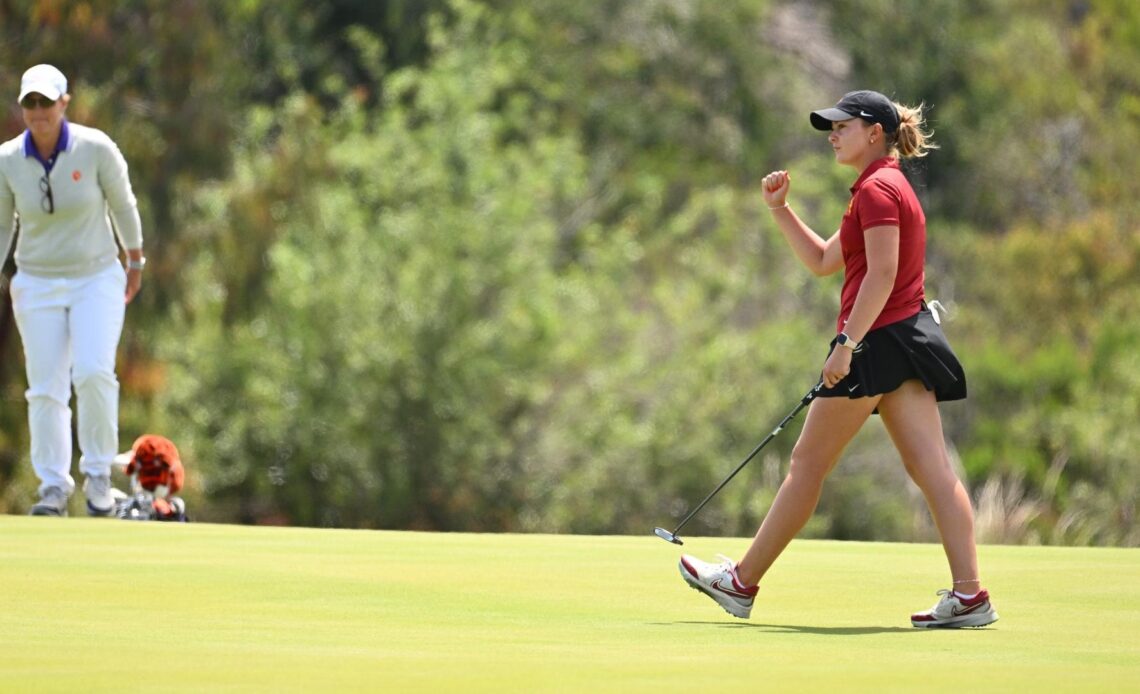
<point>719,582</point>
<point>953,612</point>
<point>100,498</point>
<point>53,502</point>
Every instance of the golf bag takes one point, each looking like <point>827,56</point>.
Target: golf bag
<point>156,474</point>
<point>145,506</point>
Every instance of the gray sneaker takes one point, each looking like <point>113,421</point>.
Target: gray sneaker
<point>100,499</point>
<point>53,502</point>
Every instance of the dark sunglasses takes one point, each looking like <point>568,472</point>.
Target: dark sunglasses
<point>31,101</point>
<point>47,202</point>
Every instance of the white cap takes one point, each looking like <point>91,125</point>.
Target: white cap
<point>43,79</point>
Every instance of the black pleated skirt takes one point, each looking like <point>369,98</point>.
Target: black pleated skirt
<point>914,347</point>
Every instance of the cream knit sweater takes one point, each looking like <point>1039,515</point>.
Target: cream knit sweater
<point>89,180</point>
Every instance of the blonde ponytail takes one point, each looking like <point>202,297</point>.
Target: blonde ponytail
<point>910,140</point>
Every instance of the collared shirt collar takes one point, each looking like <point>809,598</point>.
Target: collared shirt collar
<point>885,162</point>
<point>60,146</point>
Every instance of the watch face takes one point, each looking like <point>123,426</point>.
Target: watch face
<point>842,339</point>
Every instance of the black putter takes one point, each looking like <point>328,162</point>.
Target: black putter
<point>804,402</point>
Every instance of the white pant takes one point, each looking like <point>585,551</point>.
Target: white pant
<point>70,329</point>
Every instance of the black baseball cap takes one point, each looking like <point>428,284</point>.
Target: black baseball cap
<point>868,105</point>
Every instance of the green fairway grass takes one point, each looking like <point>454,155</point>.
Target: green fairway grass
<point>107,605</point>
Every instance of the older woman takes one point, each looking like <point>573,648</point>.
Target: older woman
<point>61,185</point>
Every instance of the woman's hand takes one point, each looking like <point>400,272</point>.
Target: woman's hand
<point>837,366</point>
<point>775,188</point>
<point>134,283</point>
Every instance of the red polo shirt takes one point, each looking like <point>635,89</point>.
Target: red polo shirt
<point>883,197</point>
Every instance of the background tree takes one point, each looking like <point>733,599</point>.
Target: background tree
<point>502,266</point>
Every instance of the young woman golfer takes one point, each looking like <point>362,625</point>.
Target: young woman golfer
<point>889,357</point>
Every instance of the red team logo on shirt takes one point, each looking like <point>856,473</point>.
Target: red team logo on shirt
<point>75,175</point>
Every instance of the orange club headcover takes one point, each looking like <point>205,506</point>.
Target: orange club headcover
<point>156,463</point>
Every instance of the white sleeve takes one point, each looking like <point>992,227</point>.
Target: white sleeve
<point>7,217</point>
<point>121,202</point>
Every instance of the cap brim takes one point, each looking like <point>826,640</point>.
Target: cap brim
<point>47,90</point>
<point>822,119</point>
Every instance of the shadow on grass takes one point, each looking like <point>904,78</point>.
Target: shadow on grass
<point>795,629</point>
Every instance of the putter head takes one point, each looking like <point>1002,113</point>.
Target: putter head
<point>667,536</point>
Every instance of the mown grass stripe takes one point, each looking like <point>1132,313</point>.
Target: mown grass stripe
<point>104,605</point>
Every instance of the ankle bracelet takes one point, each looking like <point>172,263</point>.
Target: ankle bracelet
<point>968,580</point>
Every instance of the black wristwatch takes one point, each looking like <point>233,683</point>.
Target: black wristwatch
<point>844,340</point>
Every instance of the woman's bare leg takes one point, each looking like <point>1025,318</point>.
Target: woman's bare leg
<point>911,417</point>
<point>830,426</point>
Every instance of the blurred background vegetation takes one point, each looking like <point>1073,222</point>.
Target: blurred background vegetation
<point>502,265</point>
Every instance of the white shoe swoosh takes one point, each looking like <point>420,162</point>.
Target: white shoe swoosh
<point>728,591</point>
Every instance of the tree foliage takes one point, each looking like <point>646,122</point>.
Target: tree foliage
<point>501,265</point>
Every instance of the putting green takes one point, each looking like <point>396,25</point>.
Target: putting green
<point>106,605</point>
